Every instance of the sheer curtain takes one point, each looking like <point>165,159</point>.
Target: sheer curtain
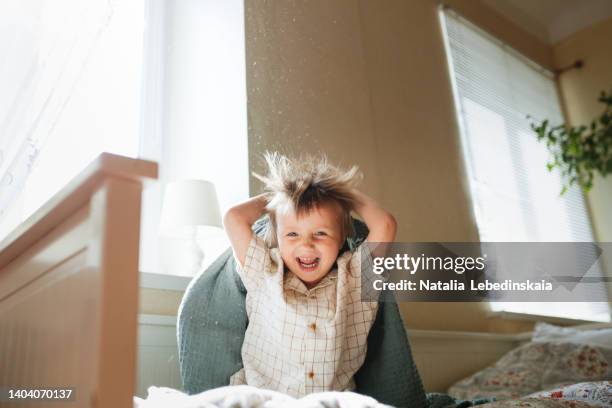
<point>71,81</point>
<point>163,81</point>
<point>515,197</point>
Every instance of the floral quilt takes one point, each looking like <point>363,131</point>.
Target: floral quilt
<point>597,394</point>
<point>537,366</point>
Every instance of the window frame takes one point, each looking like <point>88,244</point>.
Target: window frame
<point>464,143</point>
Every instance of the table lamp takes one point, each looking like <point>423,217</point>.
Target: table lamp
<point>190,211</point>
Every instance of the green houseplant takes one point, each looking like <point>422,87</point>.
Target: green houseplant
<point>579,152</point>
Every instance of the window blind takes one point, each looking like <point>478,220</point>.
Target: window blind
<point>515,197</point>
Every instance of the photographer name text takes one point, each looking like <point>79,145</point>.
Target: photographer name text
<point>456,285</point>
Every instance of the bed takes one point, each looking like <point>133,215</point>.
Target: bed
<point>478,364</point>
<point>564,365</point>
<point>69,306</point>
<point>69,290</point>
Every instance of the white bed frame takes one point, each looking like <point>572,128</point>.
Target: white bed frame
<point>69,289</point>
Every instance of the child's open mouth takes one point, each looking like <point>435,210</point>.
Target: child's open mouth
<point>308,264</point>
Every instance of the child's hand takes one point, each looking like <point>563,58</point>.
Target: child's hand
<point>238,221</point>
<point>380,222</point>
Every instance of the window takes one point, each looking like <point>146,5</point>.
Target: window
<point>515,197</point>
<point>71,81</point>
<point>194,122</point>
<point>162,81</point>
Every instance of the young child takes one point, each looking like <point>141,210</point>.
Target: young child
<point>308,327</point>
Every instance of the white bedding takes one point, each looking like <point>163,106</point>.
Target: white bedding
<point>244,396</point>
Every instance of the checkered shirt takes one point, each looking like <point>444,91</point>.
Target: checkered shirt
<point>301,341</point>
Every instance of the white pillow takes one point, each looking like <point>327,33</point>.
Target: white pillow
<point>544,332</point>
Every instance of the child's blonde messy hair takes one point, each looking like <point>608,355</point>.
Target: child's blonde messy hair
<point>305,183</point>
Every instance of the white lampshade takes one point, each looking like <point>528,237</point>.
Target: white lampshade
<point>189,203</point>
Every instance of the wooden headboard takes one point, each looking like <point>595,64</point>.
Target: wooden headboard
<point>69,288</point>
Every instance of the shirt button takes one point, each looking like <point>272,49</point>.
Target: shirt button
<point>313,326</point>
<point>311,375</point>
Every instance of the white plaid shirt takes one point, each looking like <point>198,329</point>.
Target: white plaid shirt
<point>301,341</point>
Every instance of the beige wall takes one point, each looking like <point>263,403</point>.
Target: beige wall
<point>367,83</point>
<point>579,91</point>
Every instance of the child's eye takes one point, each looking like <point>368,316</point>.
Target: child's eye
<point>321,233</point>
<point>292,234</point>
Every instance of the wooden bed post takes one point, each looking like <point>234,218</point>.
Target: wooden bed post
<point>115,207</point>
